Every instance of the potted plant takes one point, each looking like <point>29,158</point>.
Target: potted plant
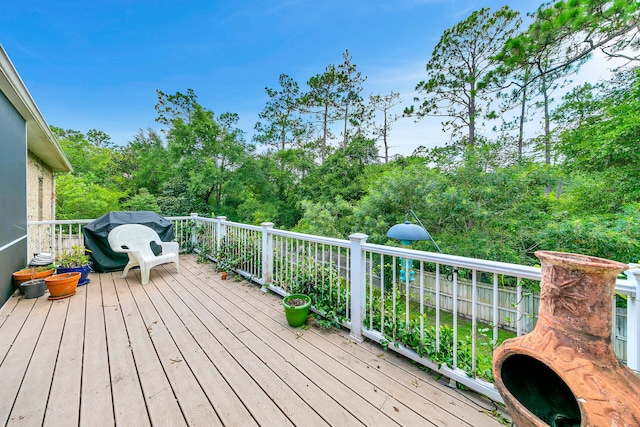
<point>296,309</point>
<point>31,273</point>
<point>33,288</point>
<point>62,285</point>
<point>74,260</point>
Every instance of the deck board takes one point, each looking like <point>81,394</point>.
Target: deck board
<point>126,388</point>
<point>191,349</point>
<point>96,403</point>
<point>17,359</point>
<point>68,368</point>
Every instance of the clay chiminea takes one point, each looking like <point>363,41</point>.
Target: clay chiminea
<point>565,372</point>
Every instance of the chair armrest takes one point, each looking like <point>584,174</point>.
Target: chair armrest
<point>170,247</point>
<point>121,250</point>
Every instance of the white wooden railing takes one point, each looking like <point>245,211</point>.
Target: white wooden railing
<point>439,319</point>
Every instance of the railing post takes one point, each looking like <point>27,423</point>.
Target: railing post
<point>194,233</point>
<point>267,255</point>
<point>221,232</point>
<point>633,321</point>
<point>358,285</point>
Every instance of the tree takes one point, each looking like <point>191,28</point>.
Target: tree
<point>79,197</point>
<point>143,162</point>
<point>323,100</point>
<point>178,106</point>
<point>92,156</point>
<point>340,173</point>
<point>575,29</point>
<point>458,67</point>
<point>204,149</point>
<point>384,104</point>
<point>284,126</point>
<point>353,108</point>
<point>599,138</point>
<point>143,201</point>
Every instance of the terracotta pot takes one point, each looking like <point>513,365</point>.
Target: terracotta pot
<point>223,275</point>
<point>22,276</point>
<point>565,372</point>
<point>62,285</point>
<point>84,269</point>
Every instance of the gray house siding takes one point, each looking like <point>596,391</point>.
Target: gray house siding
<point>13,195</point>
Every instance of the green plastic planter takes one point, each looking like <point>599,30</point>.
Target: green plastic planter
<point>296,314</point>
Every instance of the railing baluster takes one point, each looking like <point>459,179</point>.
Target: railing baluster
<point>455,318</point>
<point>437,307</point>
<point>496,319</point>
<point>474,319</point>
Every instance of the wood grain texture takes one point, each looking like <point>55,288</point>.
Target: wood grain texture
<point>191,349</point>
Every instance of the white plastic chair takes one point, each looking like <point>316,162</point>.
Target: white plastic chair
<point>135,240</point>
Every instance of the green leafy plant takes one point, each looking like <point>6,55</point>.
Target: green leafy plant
<point>323,284</point>
<point>77,256</point>
<point>397,330</point>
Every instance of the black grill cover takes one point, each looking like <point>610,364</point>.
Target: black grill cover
<point>96,237</point>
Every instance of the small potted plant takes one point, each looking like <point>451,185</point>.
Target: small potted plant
<point>33,288</point>
<point>32,273</point>
<point>74,260</point>
<point>62,285</point>
<point>296,309</point>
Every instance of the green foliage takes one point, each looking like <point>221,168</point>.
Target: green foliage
<point>143,163</point>
<point>340,175</point>
<point>605,236</point>
<point>143,201</point>
<point>75,257</point>
<point>330,219</point>
<point>576,28</point>
<point>78,198</point>
<point>397,330</point>
<point>91,155</point>
<point>485,200</point>
<point>456,85</point>
<point>323,284</point>
<point>600,139</point>
<point>283,125</point>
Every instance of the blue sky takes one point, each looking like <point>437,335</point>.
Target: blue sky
<point>97,64</point>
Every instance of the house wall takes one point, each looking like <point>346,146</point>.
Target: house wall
<point>40,190</point>
<point>13,203</point>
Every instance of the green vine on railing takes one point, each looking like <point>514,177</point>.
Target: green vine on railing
<point>327,289</point>
<point>397,331</point>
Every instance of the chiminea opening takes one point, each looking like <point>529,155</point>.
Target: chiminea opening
<point>539,389</point>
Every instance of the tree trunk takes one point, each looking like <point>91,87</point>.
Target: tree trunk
<point>384,138</point>
<point>323,154</point>
<point>547,124</point>
<point>472,116</point>
<point>559,190</point>
<point>346,117</point>
<point>523,108</point>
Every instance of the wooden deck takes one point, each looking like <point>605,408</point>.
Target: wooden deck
<point>191,349</point>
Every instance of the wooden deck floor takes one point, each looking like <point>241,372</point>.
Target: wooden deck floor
<point>191,349</point>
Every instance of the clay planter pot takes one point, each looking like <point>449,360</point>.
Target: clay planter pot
<point>296,309</point>
<point>33,288</point>
<point>85,270</point>
<point>62,285</point>
<point>565,372</point>
<point>22,276</point>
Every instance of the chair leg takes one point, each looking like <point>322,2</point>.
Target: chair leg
<point>126,269</point>
<point>144,272</point>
